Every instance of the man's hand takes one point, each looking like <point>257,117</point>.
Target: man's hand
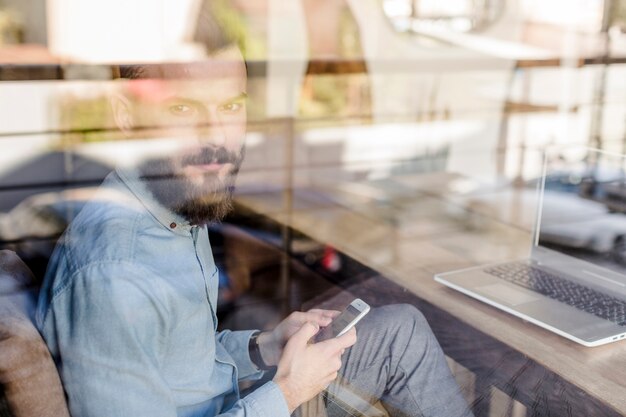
<point>271,343</point>
<point>306,369</point>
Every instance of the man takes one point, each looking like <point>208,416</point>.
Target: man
<point>128,303</point>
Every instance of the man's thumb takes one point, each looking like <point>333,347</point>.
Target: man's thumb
<point>305,333</point>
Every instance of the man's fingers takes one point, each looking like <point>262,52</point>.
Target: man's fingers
<point>298,317</point>
<point>332,313</point>
<point>330,378</point>
<point>313,316</point>
<point>338,344</point>
<point>304,334</point>
<point>326,313</point>
<point>346,340</point>
<point>318,316</point>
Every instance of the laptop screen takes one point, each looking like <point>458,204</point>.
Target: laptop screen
<point>583,207</point>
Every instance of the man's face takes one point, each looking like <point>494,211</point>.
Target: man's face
<point>202,106</point>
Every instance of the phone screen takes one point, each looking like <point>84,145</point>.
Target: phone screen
<point>341,321</point>
<point>338,324</point>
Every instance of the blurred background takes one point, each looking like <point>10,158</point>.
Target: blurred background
<point>383,136</point>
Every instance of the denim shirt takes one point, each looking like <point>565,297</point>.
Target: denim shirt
<point>127,310</point>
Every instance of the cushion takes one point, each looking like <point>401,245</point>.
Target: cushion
<point>28,376</point>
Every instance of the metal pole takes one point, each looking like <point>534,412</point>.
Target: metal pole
<point>286,229</point>
<point>598,100</point>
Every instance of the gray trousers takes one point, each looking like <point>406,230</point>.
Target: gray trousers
<point>396,361</point>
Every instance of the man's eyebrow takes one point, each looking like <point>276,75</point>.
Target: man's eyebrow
<point>241,96</point>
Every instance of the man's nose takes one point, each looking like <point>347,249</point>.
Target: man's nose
<point>212,130</point>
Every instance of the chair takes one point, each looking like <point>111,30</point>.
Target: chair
<point>28,377</point>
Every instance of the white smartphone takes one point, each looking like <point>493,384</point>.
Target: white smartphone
<point>344,321</point>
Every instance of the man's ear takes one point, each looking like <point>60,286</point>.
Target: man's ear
<point>122,114</point>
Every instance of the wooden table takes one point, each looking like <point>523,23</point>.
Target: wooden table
<point>408,228</point>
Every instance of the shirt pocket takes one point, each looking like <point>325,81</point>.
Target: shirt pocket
<point>191,354</point>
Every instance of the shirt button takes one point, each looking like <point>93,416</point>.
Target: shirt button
<point>173,225</point>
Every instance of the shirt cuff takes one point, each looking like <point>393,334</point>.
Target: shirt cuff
<point>236,344</point>
<point>268,401</point>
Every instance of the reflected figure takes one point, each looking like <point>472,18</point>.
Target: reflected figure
<point>128,304</point>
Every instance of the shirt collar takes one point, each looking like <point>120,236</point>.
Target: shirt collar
<point>168,219</point>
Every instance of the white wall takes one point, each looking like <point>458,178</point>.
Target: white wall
<point>121,30</point>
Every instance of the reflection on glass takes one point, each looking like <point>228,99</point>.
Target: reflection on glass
<point>583,212</point>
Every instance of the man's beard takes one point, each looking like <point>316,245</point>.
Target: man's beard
<point>199,204</point>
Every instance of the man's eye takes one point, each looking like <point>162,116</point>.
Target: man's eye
<point>182,110</point>
<point>231,107</point>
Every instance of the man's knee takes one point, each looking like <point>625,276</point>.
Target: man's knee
<point>397,330</point>
<point>398,322</point>
<point>402,315</point>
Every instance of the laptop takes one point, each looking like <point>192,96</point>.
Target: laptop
<point>574,282</point>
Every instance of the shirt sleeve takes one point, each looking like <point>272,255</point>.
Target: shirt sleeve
<point>265,401</point>
<point>236,344</point>
<point>108,335</point>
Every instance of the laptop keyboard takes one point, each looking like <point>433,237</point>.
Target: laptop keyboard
<point>568,292</point>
